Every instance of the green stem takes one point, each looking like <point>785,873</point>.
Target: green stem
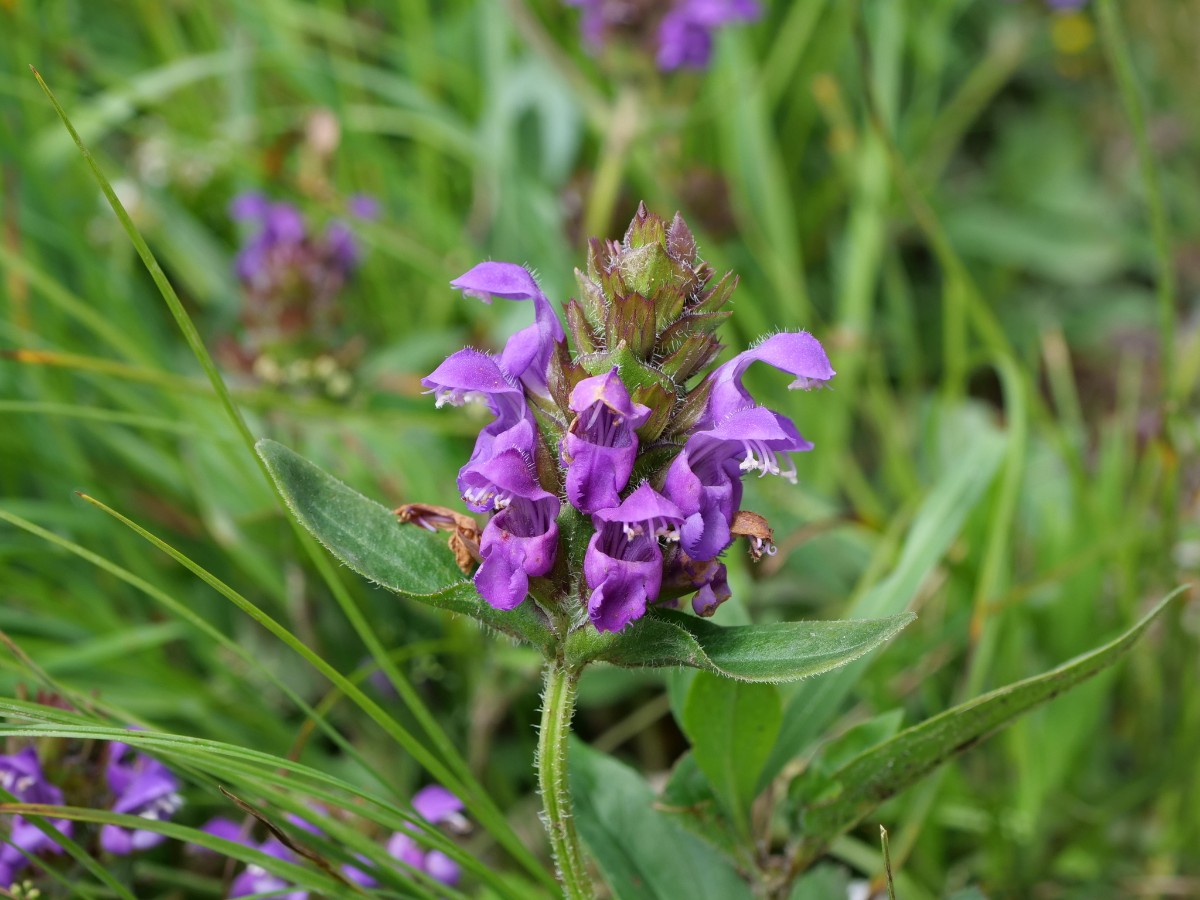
<point>558,705</point>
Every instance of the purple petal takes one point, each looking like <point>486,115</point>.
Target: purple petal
<point>249,206</point>
<point>441,867</point>
<point>797,353</point>
<point>342,247</point>
<point>435,804</point>
<point>468,374</point>
<point>357,875</point>
<point>609,391</point>
<point>498,279</point>
<point>283,224</point>
<point>228,830</point>
<point>624,575</point>
<point>600,448</point>
<point>401,846</point>
<point>645,511</point>
<point>364,206</point>
<point>527,353</point>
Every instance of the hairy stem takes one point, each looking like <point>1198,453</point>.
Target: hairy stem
<point>558,706</point>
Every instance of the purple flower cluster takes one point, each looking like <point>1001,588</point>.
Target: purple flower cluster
<point>434,804</point>
<point>292,276</point>
<point>569,432</point>
<point>680,32</point>
<point>281,246</point>
<point>141,786</point>
<point>21,775</point>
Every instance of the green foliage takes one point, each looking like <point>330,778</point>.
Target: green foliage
<point>367,538</point>
<point>642,853</point>
<point>732,728</point>
<point>842,798</point>
<point>941,191</point>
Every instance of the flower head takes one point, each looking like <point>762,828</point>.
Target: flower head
<point>437,806</point>
<point>677,33</point>
<point>254,879</point>
<point>637,400</point>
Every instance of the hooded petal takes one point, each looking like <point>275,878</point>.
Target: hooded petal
<point>601,444</point>
<point>797,353</point>
<point>704,480</point>
<point>467,375</point>
<point>435,804</point>
<point>526,355</point>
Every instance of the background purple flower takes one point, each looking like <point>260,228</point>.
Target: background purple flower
<point>21,775</point>
<point>143,787</point>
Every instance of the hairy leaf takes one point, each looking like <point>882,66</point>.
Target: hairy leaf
<point>366,537</point>
<point>782,651</point>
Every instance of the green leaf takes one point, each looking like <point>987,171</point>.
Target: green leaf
<point>366,537</point>
<point>732,726</point>
<point>688,799</point>
<point>880,773</point>
<point>642,853</point>
<point>783,651</point>
<point>811,707</point>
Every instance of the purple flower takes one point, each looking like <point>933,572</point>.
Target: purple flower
<point>685,36</point>
<point>526,355</point>
<point>254,879</point>
<point>435,805</point>
<point>143,787</point>
<point>601,444</point>
<point>735,436</point>
<point>624,565</point>
<point>21,775</point>
<point>521,540</point>
<point>473,375</point>
<point>281,252</point>
<point>796,352</point>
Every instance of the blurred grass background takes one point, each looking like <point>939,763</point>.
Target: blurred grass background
<point>952,195</point>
